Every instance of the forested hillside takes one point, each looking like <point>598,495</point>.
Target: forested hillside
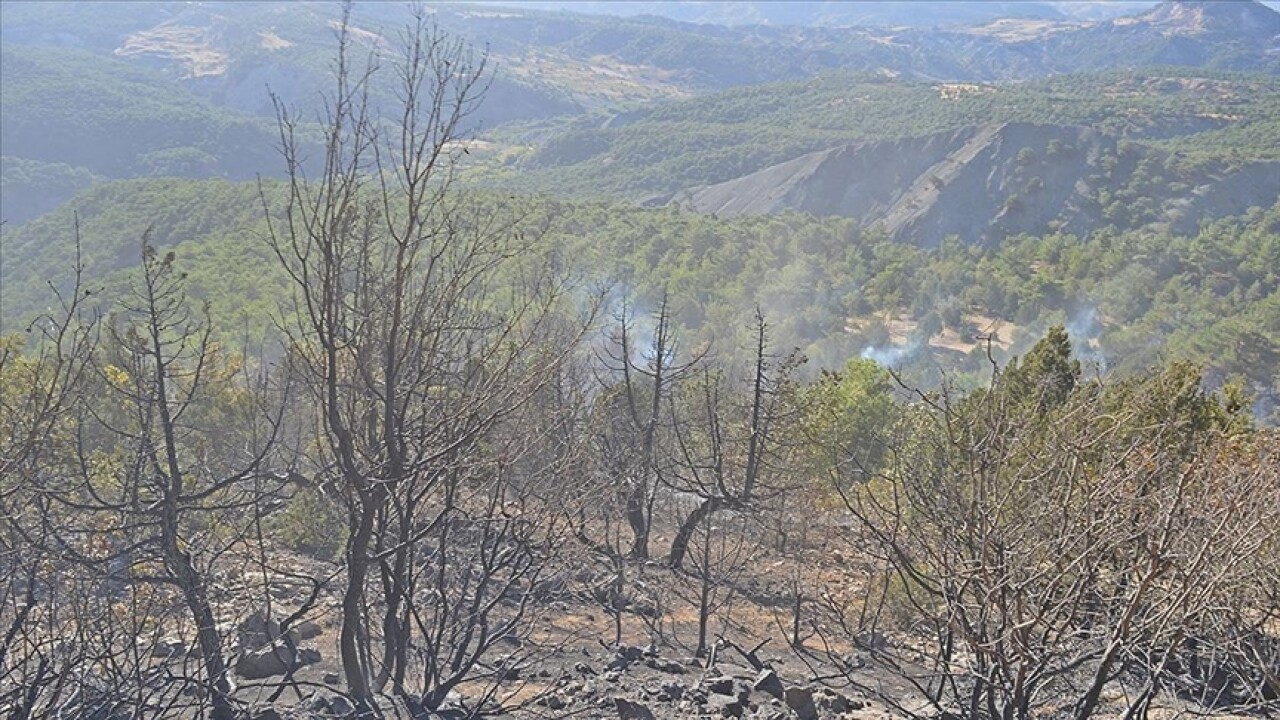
<point>831,288</point>
<point>926,139</point>
<point>989,182</point>
<point>211,69</point>
<point>466,362</point>
<point>1197,114</point>
<point>109,118</point>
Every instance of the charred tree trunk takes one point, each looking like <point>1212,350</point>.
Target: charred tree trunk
<point>178,561</point>
<point>759,428</point>
<point>638,518</point>
<point>702,513</point>
<point>350,639</point>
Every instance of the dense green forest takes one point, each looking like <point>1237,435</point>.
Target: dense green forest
<point>830,288</point>
<point>1199,115</point>
<point>118,120</point>
<point>38,187</point>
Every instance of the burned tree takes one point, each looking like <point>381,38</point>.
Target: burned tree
<point>133,494</point>
<point>639,378</point>
<point>41,378</point>
<point>176,462</point>
<point>721,456</point>
<point>1056,541</point>
<point>424,324</point>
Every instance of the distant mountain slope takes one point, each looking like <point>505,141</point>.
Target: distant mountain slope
<point>835,13</point>
<point>222,219</point>
<point>233,52</point>
<point>589,103</point>
<point>118,119</point>
<point>1246,18</point>
<point>105,117</point>
<point>974,41</point>
<point>1224,34</point>
<point>31,187</point>
<point>1198,115</point>
<point>546,63</point>
<point>551,63</point>
<point>985,183</point>
<point>807,13</point>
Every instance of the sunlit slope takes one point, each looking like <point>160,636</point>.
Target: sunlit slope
<point>1196,115</point>
<point>829,287</point>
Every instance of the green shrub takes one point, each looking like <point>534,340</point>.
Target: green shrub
<point>311,523</point>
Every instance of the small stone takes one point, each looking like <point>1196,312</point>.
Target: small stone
<point>829,702</point>
<point>306,630</point>
<point>769,683</point>
<point>630,652</point>
<point>553,702</point>
<point>258,630</point>
<point>719,685</point>
<point>274,659</point>
<point>673,691</point>
<point>800,700</point>
<point>721,705</point>
<point>628,710</point>
<point>852,661</point>
<point>873,640</point>
<point>507,669</point>
<point>168,648</point>
<point>341,707</point>
<point>672,667</point>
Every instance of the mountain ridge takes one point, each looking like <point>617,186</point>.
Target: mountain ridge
<point>985,182</point>
<point>1198,16</point>
<point>212,65</point>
